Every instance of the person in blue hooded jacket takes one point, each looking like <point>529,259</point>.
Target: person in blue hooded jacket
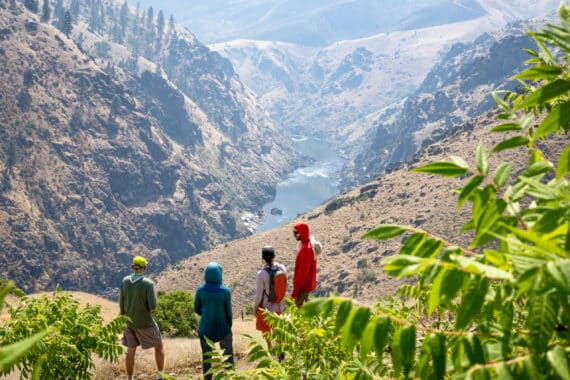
<point>213,302</point>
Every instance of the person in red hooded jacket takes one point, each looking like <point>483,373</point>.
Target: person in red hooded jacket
<point>305,274</point>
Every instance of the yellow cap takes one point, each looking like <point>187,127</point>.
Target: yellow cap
<point>139,261</point>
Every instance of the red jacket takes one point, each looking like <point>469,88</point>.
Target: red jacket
<point>305,275</point>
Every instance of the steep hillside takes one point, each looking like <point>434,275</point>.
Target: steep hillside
<point>321,91</point>
<point>193,92</point>
<point>455,90</point>
<point>94,172</point>
<point>350,265</point>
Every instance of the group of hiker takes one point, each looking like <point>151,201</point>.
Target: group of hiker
<point>212,302</point>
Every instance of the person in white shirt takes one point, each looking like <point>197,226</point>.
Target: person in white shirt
<point>262,291</point>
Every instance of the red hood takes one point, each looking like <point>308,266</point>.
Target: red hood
<point>303,229</point>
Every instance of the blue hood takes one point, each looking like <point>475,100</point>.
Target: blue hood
<point>213,273</point>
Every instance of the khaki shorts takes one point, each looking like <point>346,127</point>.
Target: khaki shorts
<point>147,337</point>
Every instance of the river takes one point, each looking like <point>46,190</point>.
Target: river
<point>307,187</point>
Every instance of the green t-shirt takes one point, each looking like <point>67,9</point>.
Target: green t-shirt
<point>137,301</point>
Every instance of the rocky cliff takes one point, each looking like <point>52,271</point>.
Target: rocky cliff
<point>457,89</point>
<point>100,163</point>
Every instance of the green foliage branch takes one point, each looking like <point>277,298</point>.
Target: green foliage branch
<point>68,334</point>
<point>301,348</point>
<point>498,308</point>
<point>12,354</point>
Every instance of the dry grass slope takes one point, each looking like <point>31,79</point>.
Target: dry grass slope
<point>349,265</point>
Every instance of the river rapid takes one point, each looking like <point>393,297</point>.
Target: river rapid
<point>307,187</point>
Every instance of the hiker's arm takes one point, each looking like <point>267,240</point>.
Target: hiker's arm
<point>151,297</point>
<point>122,302</point>
<point>228,307</point>
<point>259,288</point>
<point>197,305</point>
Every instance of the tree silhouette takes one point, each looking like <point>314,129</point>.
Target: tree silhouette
<point>160,24</point>
<point>115,107</point>
<point>171,24</point>
<point>12,156</point>
<point>75,9</point>
<point>32,5</point>
<point>46,11</point>
<point>67,23</point>
<point>83,84</point>
<point>28,78</point>
<point>59,14</point>
<point>123,18</point>
<point>150,17</point>
<point>24,101</point>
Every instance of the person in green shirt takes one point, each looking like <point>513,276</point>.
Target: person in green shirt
<point>137,301</point>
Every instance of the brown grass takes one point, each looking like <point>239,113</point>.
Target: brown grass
<point>183,357</point>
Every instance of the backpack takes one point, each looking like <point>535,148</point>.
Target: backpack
<point>317,246</point>
<point>277,284</point>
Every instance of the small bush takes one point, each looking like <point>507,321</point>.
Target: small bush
<point>175,314</point>
<point>366,276</point>
<point>362,263</point>
<point>24,101</point>
<point>73,335</point>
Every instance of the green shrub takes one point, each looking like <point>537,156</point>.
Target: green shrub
<point>12,354</point>
<point>310,348</point>
<point>366,276</point>
<point>175,314</point>
<point>72,335</point>
<point>362,263</point>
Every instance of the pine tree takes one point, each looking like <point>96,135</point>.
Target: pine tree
<point>123,18</point>
<point>150,17</point>
<point>142,20</point>
<point>32,5</point>
<point>115,107</point>
<point>46,11</point>
<point>75,9</point>
<point>160,24</point>
<point>12,156</point>
<point>150,31</point>
<point>171,24</point>
<point>67,23</point>
<point>59,14</point>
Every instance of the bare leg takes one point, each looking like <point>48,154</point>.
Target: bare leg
<point>130,360</point>
<point>159,357</point>
<point>301,298</point>
<point>266,337</point>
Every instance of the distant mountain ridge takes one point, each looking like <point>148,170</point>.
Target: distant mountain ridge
<point>325,90</point>
<point>104,158</point>
<point>321,23</point>
<point>456,90</point>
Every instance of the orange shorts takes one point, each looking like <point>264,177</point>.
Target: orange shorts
<point>260,322</point>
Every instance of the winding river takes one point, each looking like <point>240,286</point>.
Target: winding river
<point>307,187</point>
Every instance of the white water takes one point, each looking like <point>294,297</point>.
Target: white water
<point>307,187</point>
